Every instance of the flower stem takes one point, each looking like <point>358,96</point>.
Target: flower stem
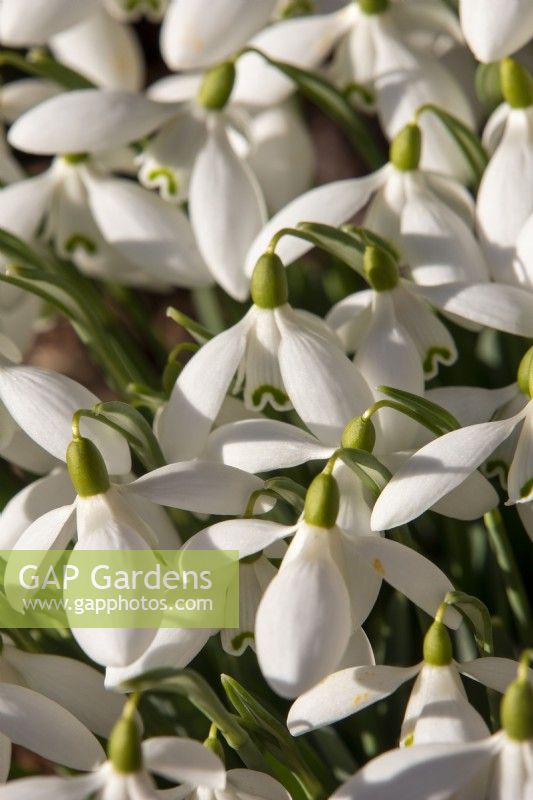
<point>514,585</point>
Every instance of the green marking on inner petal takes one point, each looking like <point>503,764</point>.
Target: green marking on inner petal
<point>276,394</point>
<point>169,177</point>
<point>409,740</point>
<point>435,354</point>
<point>527,488</point>
<point>238,641</point>
<point>80,240</point>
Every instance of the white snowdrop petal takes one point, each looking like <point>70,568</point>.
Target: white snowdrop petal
<point>344,693</point>
<point>25,22</point>
<point>331,204</point>
<point>495,673</point>
<point>198,33</point>
<point>87,120</point>
<point>103,50</point>
<point>436,469</point>
<point>204,487</point>
<point>184,760</point>
<point>262,445</point>
<point>149,232</point>
<point>410,573</point>
<point>74,685</point>
<point>471,404</point>
<point>50,787</point>
<point>470,500</point>
<point>249,782</point>
<point>496,28</point>
<point>199,392</point>
<point>32,395</point>
<point>225,230</point>
<point>412,772</point>
<point>248,536</point>
<point>520,476</point>
<point>325,388</point>
<point>44,727</point>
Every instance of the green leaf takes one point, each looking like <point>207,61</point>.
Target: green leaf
<point>326,97</point>
<point>341,244</point>
<point>465,139</point>
<point>197,331</point>
<point>488,87</point>
<point>435,415</point>
<point>134,427</point>
<point>39,63</point>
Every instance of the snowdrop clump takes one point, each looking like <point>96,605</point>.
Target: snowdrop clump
<point>333,201</point>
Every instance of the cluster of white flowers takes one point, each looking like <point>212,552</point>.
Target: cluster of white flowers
<point>314,436</point>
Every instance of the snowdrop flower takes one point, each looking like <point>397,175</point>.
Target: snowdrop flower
<point>428,216</point>
<point>505,200</point>
<point>75,196</point>
<point>312,607</point>
<point>280,356</point>
<point>437,693</point>
<point>447,461</point>
<point>243,784</point>
<point>495,768</point>
<point>379,54</point>
<point>394,332</point>
<point>494,29</point>
<point>35,693</point>
<point>87,35</point>
<point>274,142</point>
<point>126,772</point>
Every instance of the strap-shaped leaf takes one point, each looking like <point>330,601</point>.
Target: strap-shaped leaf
<point>434,414</point>
<point>42,65</point>
<point>134,427</point>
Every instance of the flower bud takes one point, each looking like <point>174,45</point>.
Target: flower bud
<point>373,6</point>
<point>381,269</point>
<point>269,287</point>
<point>405,148</point>
<point>322,502</point>
<point>124,747</point>
<point>517,710</point>
<point>217,86</point>
<point>437,645</point>
<point>525,373</point>
<point>86,468</point>
<point>516,84</point>
<point>359,433</point>
<point>75,158</point>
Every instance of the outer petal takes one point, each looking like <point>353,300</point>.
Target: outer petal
<point>495,673</point>
<point>198,33</point>
<point>199,392</point>
<point>73,684</point>
<point>203,487</point>
<point>185,761</point>
<point>332,204</point>
<point>87,120</point>
<point>32,502</point>
<point>35,722</point>
<point>225,230</point>
<point>410,573</point>
<point>171,647</point>
<point>296,642</point>
<point>470,500</point>
<point>24,22</point>
<point>344,693</point>
<point>304,41</point>
<point>436,469</point>
<point>496,305</point>
<point>281,155</point>
<point>23,205</point>
<point>496,28</point>
<point>42,402</point>
<point>471,404</point>
<point>103,50</point>
<point>248,782</point>
<point>420,773</point>
<point>50,786</point>
<point>326,390</point>
<point>263,445</point>
<point>248,536</point>
<point>520,477</point>
<point>147,231</point>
